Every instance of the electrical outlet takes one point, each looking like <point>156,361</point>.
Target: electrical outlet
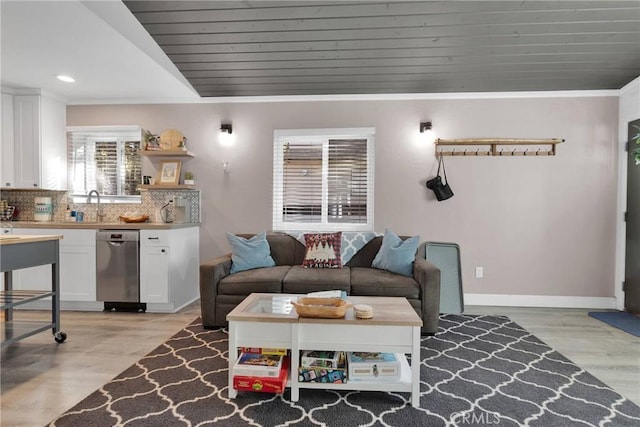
<point>479,272</point>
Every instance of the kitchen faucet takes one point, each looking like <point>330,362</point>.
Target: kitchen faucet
<point>99,213</point>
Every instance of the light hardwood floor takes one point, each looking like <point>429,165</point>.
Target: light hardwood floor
<point>41,379</point>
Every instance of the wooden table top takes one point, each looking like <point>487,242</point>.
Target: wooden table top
<point>386,311</point>
<point>14,239</point>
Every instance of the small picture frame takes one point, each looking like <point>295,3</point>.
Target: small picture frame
<point>169,172</point>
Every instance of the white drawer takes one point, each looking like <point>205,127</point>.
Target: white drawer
<point>154,237</point>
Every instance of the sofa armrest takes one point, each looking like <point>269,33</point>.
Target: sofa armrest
<point>211,272</point>
<point>428,277</point>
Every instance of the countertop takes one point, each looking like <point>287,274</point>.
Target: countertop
<point>13,239</point>
<point>98,225</point>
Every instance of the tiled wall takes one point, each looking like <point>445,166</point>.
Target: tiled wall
<point>152,201</point>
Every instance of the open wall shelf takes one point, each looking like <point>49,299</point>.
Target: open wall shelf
<point>166,153</point>
<point>166,187</point>
<point>497,147</point>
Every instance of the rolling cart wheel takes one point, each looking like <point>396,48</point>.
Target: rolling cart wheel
<point>60,337</point>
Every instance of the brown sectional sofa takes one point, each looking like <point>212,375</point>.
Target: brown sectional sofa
<point>220,291</point>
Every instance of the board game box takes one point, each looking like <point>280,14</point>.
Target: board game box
<point>258,365</point>
<point>322,375</point>
<point>259,350</point>
<point>264,384</point>
<point>322,359</point>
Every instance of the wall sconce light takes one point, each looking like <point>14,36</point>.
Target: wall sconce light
<point>426,129</point>
<point>226,138</point>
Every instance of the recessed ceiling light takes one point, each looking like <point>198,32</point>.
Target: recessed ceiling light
<point>66,79</point>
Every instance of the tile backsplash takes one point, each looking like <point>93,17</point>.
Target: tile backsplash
<point>152,201</point>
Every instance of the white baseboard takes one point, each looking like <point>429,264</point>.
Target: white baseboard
<point>505,300</point>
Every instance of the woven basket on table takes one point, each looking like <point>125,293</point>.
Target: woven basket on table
<point>326,308</point>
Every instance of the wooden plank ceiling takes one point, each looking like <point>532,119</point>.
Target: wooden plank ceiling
<point>260,48</point>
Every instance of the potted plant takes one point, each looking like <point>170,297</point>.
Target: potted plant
<point>188,178</point>
<point>182,145</point>
<point>151,141</point>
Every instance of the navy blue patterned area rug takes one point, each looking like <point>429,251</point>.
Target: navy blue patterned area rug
<point>478,370</point>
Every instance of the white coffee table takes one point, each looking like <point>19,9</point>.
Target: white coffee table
<point>268,320</point>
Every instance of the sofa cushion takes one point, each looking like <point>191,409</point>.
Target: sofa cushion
<point>373,282</point>
<point>268,279</point>
<point>300,280</point>
<point>323,250</point>
<point>396,255</point>
<point>247,254</point>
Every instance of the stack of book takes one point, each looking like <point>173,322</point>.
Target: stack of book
<point>261,369</point>
<point>322,367</point>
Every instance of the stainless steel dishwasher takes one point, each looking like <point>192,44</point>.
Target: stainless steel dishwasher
<point>118,269</point>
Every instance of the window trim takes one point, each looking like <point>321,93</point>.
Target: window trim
<point>122,198</point>
<point>320,136</point>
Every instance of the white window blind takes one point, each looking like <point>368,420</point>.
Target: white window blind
<point>323,180</point>
<point>347,181</point>
<point>105,159</point>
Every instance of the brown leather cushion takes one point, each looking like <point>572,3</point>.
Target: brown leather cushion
<point>375,282</point>
<point>303,280</point>
<point>267,279</point>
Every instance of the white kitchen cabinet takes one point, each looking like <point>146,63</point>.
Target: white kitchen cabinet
<point>26,149</point>
<point>77,265</point>
<point>35,144</point>
<point>78,272</point>
<point>154,274</point>
<point>169,268</point>
<point>7,173</point>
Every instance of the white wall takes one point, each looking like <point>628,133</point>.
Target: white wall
<point>629,111</point>
<point>540,226</point>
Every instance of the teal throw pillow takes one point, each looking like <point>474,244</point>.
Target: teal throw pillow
<point>247,254</point>
<point>396,255</point>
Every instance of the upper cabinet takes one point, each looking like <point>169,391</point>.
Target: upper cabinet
<point>26,147</point>
<point>7,173</point>
<point>33,142</point>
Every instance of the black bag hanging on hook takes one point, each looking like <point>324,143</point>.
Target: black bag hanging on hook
<point>440,189</point>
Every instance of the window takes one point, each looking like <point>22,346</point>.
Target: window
<point>105,159</point>
<point>323,179</point>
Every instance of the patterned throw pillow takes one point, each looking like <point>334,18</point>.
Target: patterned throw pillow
<point>353,241</point>
<point>323,250</point>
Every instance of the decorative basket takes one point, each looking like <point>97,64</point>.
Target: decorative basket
<point>326,308</point>
<point>141,218</point>
<point>6,214</point>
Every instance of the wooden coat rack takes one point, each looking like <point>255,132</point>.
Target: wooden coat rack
<point>493,144</point>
